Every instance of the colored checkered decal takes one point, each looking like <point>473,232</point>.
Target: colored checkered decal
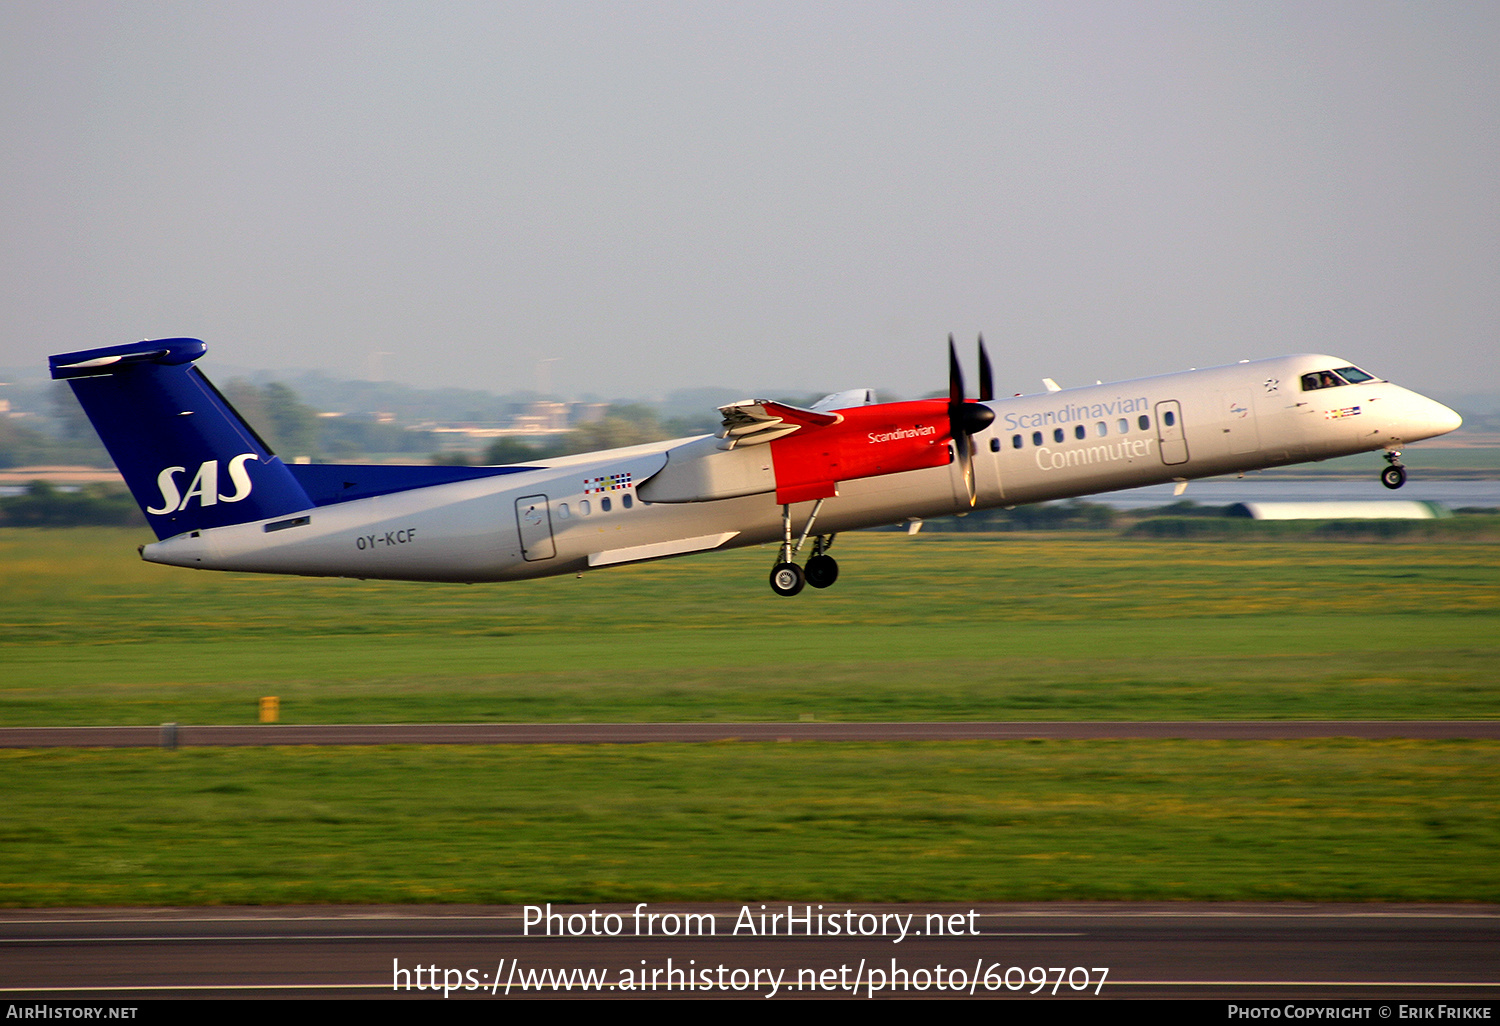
<point>611,483</point>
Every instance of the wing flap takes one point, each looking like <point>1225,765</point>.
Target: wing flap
<point>758,421</point>
<point>659,550</point>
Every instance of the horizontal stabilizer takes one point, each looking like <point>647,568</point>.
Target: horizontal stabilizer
<point>166,351</point>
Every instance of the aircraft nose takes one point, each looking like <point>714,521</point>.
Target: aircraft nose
<point>1443,420</point>
<point>1430,418</point>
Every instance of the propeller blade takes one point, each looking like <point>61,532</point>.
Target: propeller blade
<point>986,378</point>
<point>961,422</point>
<point>965,447</point>
<point>955,378</point>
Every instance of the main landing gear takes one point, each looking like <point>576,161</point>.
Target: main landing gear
<point>1393,476</point>
<point>787,578</point>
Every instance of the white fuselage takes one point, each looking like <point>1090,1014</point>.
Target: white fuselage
<point>584,511</point>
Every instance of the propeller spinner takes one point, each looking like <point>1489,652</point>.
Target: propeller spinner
<point>966,419</point>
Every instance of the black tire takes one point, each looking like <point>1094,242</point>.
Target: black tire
<point>1393,477</point>
<point>787,579</point>
<point>822,571</point>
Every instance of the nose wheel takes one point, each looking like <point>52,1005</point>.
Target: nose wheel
<point>1393,476</point>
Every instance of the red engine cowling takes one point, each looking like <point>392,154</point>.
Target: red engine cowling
<point>889,438</point>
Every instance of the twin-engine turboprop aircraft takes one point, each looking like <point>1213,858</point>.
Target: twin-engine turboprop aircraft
<point>219,499</point>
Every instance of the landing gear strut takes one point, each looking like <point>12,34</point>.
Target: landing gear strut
<point>787,578</point>
<point>1393,476</point>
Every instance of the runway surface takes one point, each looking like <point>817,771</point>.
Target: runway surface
<point>1240,952</point>
<point>642,733</point>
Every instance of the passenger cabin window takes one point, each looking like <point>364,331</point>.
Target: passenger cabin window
<point>1144,421</point>
<point>1169,418</point>
<point>1079,432</point>
<point>562,511</point>
<point>583,508</point>
<point>604,505</point>
<point>1036,438</point>
<point>626,500</point>
<point>1016,441</point>
<point>1057,434</point>
<point>1101,429</point>
<point>1123,425</point>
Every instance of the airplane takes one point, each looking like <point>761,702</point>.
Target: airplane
<point>218,498</point>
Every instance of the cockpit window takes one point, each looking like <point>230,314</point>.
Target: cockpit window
<point>1354,375</point>
<point>1322,379</point>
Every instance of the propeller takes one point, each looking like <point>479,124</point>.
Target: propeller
<point>965,418</point>
<point>986,379</point>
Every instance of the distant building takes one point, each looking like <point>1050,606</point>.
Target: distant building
<point>1375,509</point>
<point>538,419</point>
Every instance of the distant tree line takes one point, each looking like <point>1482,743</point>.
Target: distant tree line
<point>294,430</point>
<point>623,424</point>
<point>1048,516</point>
<point>289,426</point>
<point>93,505</point>
<point>71,441</point>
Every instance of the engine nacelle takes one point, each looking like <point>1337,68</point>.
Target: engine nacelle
<point>703,471</point>
<point>806,461</point>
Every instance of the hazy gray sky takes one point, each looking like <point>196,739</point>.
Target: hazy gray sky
<point>756,195</point>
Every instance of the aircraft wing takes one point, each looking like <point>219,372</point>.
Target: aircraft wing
<point>758,421</point>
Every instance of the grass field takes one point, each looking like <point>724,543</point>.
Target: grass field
<point>940,627</point>
<point>973,821</point>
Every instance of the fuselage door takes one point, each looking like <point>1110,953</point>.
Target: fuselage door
<point>1169,435</point>
<point>534,522</point>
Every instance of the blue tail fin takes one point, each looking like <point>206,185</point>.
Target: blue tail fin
<point>190,460</point>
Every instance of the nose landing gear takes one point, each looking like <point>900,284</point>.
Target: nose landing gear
<point>1393,476</point>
